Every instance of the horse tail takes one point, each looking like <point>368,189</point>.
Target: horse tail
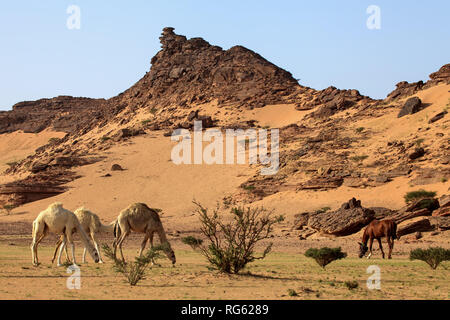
<point>395,236</point>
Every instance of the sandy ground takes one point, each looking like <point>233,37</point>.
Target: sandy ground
<point>18,145</point>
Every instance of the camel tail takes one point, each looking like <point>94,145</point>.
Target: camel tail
<point>116,229</point>
<point>108,228</point>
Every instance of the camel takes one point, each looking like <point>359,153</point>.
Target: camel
<point>140,218</point>
<point>92,225</point>
<point>60,221</point>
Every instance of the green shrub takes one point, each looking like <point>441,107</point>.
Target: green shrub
<point>360,129</point>
<point>292,293</point>
<point>133,271</point>
<point>249,187</point>
<point>231,244</point>
<point>325,256</point>
<point>351,285</point>
<point>8,208</point>
<point>419,194</point>
<point>193,242</point>
<point>324,209</point>
<point>432,256</point>
<point>359,158</point>
<point>146,122</point>
<point>105,138</point>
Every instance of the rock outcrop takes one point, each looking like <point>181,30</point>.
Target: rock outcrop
<point>350,218</point>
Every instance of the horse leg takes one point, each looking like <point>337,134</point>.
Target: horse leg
<point>381,247</point>
<point>391,247</point>
<point>370,248</point>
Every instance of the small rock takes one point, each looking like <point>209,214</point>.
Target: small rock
<point>116,167</point>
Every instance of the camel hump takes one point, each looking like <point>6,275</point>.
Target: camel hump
<point>56,205</point>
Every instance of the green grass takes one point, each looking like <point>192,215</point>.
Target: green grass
<point>270,278</point>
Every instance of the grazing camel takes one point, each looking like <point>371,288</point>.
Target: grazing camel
<point>140,218</point>
<point>58,220</point>
<point>376,230</point>
<point>92,225</point>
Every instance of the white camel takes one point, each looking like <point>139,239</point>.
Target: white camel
<point>140,218</point>
<point>92,225</point>
<point>60,221</point>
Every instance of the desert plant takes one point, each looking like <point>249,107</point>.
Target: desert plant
<point>444,179</point>
<point>324,209</point>
<point>351,285</point>
<point>325,256</point>
<point>8,208</point>
<point>133,271</point>
<point>231,245</point>
<point>419,142</point>
<point>105,138</point>
<point>292,293</point>
<point>418,195</point>
<point>360,129</point>
<point>53,140</point>
<point>153,110</point>
<point>193,242</point>
<point>146,122</point>
<point>432,256</point>
<point>249,187</point>
<point>359,158</point>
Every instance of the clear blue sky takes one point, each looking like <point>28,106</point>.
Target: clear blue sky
<point>322,43</point>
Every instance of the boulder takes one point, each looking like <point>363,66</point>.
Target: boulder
<point>417,226</point>
<point>411,106</point>
<point>438,117</point>
<point>350,218</point>
<point>116,167</point>
<point>417,153</point>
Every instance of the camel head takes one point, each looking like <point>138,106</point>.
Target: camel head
<point>362,249</point>
<point>170,254</point>
<point>95,255</point>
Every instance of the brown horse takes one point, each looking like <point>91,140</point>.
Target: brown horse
<point>376,230</point>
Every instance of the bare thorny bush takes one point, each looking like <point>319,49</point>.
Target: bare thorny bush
<point>134,271</point>
<point>231,245</point>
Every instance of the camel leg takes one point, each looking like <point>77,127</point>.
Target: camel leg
<point>119,243</point>
<point>94,239</point>
<point>84,255</point>
<point>62,247</point>
<point>144,243</point>
<point>38,234</point>
<point>58,244</point>
<point>370,248</point>
<point>151,245</point>
<point>381,247</point>
<point>72,246</point>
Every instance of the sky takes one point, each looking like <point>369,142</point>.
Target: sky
<point>322,43</point>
